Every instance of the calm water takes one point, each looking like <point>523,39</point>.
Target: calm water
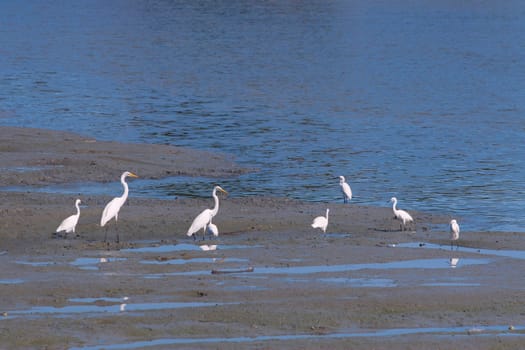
<point>423,100</point>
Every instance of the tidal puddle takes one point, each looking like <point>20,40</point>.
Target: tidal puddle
<point>11,281</point>
<point>337,235</point>
<point>407,264</point>
<point>96,300</point>
<point>515,254</point>
<point>93,263</point>
<point>471,331</point>
<point>122,305</point>
<point>450,284</point>
<point>168,248</point>
<point>304,270</point>
<point>361,282</point>
<point>35,263</point>
<point>192,261</point>
<point>28,169</point>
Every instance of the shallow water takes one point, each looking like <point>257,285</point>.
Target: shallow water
<point>94,263</point>
<point>471,331</point>
<point>419,100</point>
<point>305,270</point>
<point>167,248</point>
<point>90,308</point>
<point>515,254</point>
<point>192,261</point>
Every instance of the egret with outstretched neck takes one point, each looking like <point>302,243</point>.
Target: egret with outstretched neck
<point>113,207</point>
<point>345,188</point>
<point>321,221</point>
<point>401,214</point>
<point>69,223</point>
<point>204,218</point>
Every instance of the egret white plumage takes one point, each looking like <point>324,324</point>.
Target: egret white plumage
<point>69,223</point>
<point>212,229</point>
<point>345,188</point>
<point>113,207</point>
<point>321,221</point>
<point>454,233</point>
<point>204,218</point>
<point>401,214</point>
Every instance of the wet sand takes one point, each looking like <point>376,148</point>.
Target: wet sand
<point>277,283</point>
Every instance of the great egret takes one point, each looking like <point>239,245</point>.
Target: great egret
<point>321,221</point>
<point>401,214</point>
<point>113,207</point>
<point>69,223</point>
<point>454,233</point>
<point>204,218</point>
<point>345,188</point>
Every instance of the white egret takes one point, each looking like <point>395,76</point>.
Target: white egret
<point>345,188</point>
<point>113,207</point>
<point>212,229</point>
<point>454,233</point>
<point>204,218</point>
<point>401,214</point>
<point>69,223</point>
<point>321,221</point>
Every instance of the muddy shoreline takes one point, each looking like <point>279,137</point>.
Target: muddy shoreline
<point>362,285</point>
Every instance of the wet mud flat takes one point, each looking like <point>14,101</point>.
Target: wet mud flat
<point>268,281</point>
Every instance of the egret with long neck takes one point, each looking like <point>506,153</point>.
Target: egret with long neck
<point>69,223</point>
<point>113,207</point>
<point>345,188</point>
<point>204,218</point>
<point>401,214</point>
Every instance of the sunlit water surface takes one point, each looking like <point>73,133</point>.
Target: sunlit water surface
<point>421,100</point>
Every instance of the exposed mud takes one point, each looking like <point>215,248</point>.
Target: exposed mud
<point>281,284</point>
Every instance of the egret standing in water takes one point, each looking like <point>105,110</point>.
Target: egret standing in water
<point>401,214</point>
<point>321,221</point>
<point>454,233</point>
<point>69,223</point>
<point>204,218</point>
<point>345,188</point>
<point>113,207</point>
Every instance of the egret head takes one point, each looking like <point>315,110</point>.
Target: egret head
<point>78,201</point>
<point>341,179</point>
<point>393,199</point>
<point>453,221</point>
<point>128,173</point>
<point>219,188</point>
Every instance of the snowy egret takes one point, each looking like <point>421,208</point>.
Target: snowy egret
<point>113,207</point>
<point>321,221</point>
<point>345,188</point>
<point>401,214</point>
<point>454,233</point>
<point>69,223</point>
<point>204,218</point>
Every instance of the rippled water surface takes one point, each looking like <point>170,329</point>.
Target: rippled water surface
<point>423,100</point>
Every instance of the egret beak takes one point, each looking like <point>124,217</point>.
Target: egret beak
<point>132,175</point>
<point>222,190</point>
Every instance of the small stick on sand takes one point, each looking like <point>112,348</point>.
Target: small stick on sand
<point>214,272</point>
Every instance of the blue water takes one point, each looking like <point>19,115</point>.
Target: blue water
<point>423,100</point>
